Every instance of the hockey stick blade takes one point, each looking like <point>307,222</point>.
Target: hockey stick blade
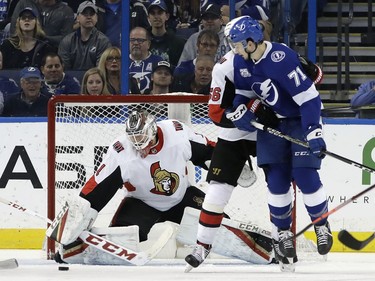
<point>8,264</point>
<point>348,240</point>
<point>305,144</point>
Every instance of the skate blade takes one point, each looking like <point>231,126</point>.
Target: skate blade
<point>287,265</point>
<point>188,268</point>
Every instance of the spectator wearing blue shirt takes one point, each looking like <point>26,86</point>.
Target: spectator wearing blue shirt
<point>141,62</point>
<point>207,44</point>
<point>109,22</point>
<point>8,87</point>
<point>29,102</point>
<point>56,81</point>
<point>365,95</point>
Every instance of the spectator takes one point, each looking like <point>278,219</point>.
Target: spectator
<point>257,9</point>
<point>162,78</point>
<point>27,46</point>
<point>199,82</point>
<point>365,95</point>
<point>56,81</point>
<point>110,66</point>
<point>207,44</point>
<point>161,38</point>
<point>8,87</point>
<point>211,19</point>
<point>93,83</point>
<point>109,21</point>
<point>138,15</point>
<point>141,62</point>
<point>81,49</point>
<point>1,103</point>
<point>29,102</point>
<point>55,16</point>
<point>189,11</point>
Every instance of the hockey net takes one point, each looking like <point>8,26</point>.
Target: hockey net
<point>80,128</point>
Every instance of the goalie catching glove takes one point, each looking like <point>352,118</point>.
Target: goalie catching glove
<point>254,110</point>
<point>317,145</point>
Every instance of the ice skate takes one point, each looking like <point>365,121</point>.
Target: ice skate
<point>323,238</point>
<point>198,255</point>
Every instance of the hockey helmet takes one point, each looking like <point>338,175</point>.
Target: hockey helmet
<point>140,128</point>
<point>244,28</point>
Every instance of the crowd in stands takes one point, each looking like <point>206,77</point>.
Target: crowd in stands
<point>75,47</point>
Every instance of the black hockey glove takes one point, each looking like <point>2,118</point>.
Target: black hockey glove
<point>265,115</point>
<point>312,70</point>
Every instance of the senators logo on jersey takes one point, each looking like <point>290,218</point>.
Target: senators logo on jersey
<point>166,183</point>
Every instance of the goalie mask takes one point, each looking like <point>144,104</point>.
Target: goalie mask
<point>141,130</point>
<point>243,29</point>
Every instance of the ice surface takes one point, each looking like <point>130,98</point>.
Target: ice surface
<point>339,266</point>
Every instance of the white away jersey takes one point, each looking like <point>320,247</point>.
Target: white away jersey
<point>221,97</point>
<point>160,179</point>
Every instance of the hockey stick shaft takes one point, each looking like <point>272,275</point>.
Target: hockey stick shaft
<point>348,240</point>
<point>101,243</point>
<point>305,144</point>
<point>334,210</point>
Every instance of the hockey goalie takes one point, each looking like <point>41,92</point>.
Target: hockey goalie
<point>150,161</point>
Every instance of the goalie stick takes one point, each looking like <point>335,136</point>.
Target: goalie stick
<point>348,240</point>
<point>104,245</point>
<point>305,144</point>
<point>8,264</point>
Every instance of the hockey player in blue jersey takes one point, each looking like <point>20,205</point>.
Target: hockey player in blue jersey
<point>274,73</point>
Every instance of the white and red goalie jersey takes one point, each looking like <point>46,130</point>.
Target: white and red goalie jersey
<point>160,179</point>
<point>222,93</point>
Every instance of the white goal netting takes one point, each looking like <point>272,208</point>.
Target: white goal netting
<point>81,128</point>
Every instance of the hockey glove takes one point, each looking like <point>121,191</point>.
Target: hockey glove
<point>266,116</point>
<point>313,71</point>
<point>317,145</point>
<point>241,118</point>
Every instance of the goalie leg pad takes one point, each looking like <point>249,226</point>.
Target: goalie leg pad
<point>75,217</point>
<point>80,253</point>
<point>229,242</point>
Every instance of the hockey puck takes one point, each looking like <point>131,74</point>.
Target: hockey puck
<point>63,268</point>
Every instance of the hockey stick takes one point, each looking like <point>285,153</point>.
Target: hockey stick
<point>104,245</point>
<point>348,240</point>
<point>305,144</point>
<point>8,264</point>
<point>334,210</point>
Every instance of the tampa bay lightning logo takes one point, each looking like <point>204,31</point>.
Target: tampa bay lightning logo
<point>277,56</point>
<point>267,91</point>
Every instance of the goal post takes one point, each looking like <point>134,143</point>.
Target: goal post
<point>80,129</point>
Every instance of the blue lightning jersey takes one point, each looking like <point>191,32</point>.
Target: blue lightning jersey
<point>278,79</point>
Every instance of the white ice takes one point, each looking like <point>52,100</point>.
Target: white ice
<point>339,266</point>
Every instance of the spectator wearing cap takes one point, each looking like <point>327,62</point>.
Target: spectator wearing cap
<point>142,61</point>
<point>212,20</point>
<point>207,44</point>
<point>198,82</point>
<point>164,42</point>
<point>56,81</point>
<point>162,79</point>
<point>55,16</point>
<point>29,102</point>
<point>28,45</point>
<point>81,49</point>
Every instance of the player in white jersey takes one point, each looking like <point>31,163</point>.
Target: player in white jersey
<point>275,74</point>
<point>232,150</point>
<point>150,161</point>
